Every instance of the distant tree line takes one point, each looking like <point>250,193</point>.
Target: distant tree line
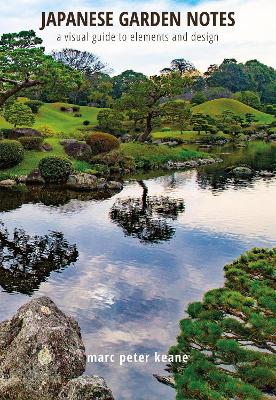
<point>132,101</point>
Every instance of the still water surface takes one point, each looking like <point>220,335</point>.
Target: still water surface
<point>144,254</point>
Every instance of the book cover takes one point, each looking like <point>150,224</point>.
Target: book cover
<point>137,200</point>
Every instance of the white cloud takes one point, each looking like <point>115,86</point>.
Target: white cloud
<point>252,37</point>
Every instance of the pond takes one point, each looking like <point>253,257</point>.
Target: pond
<point>143,255</point>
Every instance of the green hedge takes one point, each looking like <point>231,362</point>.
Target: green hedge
<point>31,142</point>
<point>55,169</point>
<point>101,142</point>
<point>11,153</point>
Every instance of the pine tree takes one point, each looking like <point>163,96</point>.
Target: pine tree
<point>230,335</point>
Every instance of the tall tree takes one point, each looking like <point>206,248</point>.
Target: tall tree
<point>177,113</point>
<point>179,65</point>
<point>229,74</point>
<point>19,114</point>
<point>24,65</point>
<point>123,82</point>
<point>82,61</point>
<point>260,74</point>
<point>247,97</point>
<point>143,100</point>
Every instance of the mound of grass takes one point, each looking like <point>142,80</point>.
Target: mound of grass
<point>216,107</point>
<point>51,115</point>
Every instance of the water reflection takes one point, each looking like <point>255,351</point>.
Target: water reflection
<point>255,155</point>
<point>27,261</point>
<point>13,198</point>
<point>127,295</point>
<point>146,217</point>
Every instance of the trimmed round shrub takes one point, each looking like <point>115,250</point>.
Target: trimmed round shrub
<point>11,153</point>
<point>31,142</point>
<point>101,142</point>
<point>76,108</point>
<point>55,169</point>
<point>86,122</point>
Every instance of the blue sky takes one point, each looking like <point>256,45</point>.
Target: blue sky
<point>252,37</point>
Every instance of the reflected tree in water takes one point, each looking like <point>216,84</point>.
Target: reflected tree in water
<point>146,218</point>
<point>26,261</point>
<point>11,199</point>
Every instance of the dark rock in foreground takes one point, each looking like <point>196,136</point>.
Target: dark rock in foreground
<point>42,356</point>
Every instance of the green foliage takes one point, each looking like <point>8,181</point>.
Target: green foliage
<point>252,76</point>
<point>199,98</point>
<point>123,82</point>
<point>101,142</point>
<point>18,114</point>
<point>110,121</point>
<point>100,92</point>
<point>31,142</point>
<point>218,92</point>
<point>250,98</point>
<point>143,101</point>
<point>269,93</point>
<point>55,169</point>
<point>11,153</point>
<point>115,160</point>
<point>204,123</point>
<point>177,113</point>
<point>230,335</point>
<point>34,105</point>
<point>46,131</point>
<point>180,66</point>
<point>24,65</point>
<point>151,156</point>
<point>229,74</point>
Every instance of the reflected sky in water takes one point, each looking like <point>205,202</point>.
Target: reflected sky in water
<point>127,295</point>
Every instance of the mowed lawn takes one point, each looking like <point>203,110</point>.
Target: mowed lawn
<point>51,115</point>
<point>216,107</point>
<point>158,154</point>
<point>190,136</point>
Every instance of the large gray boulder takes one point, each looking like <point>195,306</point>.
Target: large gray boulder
<point>35,178</point>
<point>86,388</point>
<point>79,150</point>
<point>82,181</point>
<point>20,132</point>
<point>41,351</point>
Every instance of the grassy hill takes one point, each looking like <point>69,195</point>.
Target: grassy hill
<point>49,114</point>
<point>215,107</point>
